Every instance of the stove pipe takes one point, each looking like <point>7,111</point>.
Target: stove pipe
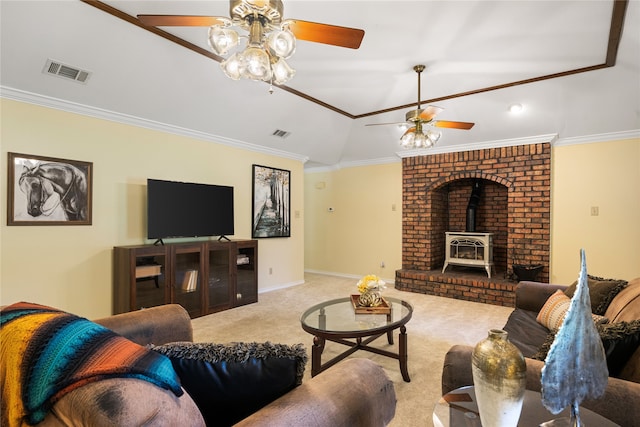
<point>472,206</point>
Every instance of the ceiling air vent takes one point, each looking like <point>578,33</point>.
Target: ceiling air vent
<point>58,69</point>
<point>281,133</point>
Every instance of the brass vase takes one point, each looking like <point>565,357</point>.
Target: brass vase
<point>370,298</point>
<point>499,378</point>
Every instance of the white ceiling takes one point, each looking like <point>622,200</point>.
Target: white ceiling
<point>140,77</point>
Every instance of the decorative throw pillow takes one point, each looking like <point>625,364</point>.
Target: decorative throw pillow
<point>555,309</point>
<point>620,340</point>
<point>601,291</point>
<point>229,382</point>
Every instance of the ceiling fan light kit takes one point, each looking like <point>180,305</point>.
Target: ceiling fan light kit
<point>417,136</point>
<point>270,40</point>
<point>268,44</point>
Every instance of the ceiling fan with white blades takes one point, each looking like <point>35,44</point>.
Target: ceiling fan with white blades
<point>417,136</point>
<point>270,40</point>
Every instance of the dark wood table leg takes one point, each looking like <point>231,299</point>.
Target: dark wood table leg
<point>390,333</point>
<point>403,356</point>
<point>316,355</point>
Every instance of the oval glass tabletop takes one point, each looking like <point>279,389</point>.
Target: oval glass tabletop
<point>339,316</point>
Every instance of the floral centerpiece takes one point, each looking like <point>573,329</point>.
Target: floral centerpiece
<point>370,287</point>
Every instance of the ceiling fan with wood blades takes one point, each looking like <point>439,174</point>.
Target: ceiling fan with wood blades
<point>270,41</point>
<point>416,136</point>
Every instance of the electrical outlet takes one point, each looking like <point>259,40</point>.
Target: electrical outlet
<point>595,211</point>
<point>381,264</point>
<point>270,270</point>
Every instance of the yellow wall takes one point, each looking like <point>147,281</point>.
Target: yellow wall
<point>605,175</point>
<point>70,267</point>
<point>363,230</point>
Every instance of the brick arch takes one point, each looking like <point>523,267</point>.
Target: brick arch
<point>437,184</point>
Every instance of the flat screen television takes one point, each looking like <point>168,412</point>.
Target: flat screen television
<point>184,209</point>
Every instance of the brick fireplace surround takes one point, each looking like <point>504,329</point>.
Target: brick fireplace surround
<point>514,206</point>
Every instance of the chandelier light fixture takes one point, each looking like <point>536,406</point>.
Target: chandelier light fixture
<point>263,56</point>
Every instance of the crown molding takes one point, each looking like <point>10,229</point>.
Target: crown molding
<point>72,107</point>
<point>551,138</point>
<point>601,137</point>
<point>354,164</point>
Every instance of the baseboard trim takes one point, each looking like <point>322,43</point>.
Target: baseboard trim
<point>349,276</point>
<point>281,286</point>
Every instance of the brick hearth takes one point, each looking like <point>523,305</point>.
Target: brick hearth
<point>515,207</point>
<point>462,284</point>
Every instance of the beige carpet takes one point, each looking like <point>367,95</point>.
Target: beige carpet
<point>436,325</point>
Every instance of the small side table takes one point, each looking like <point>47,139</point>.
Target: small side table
<point>458,408</point>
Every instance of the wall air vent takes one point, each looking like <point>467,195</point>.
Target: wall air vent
<point>58,69</point>
<point>281,133</point>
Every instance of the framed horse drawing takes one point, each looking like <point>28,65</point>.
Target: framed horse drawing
<point>48,191</point>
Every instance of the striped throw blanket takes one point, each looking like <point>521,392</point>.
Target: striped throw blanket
<point>46,353</point>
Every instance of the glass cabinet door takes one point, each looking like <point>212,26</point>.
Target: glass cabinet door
<point>247,273</point>
<point>219,284</point>
<point>150,280</point>
<point>187,289</point>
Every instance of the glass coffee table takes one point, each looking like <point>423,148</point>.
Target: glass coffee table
<point>336,321</point>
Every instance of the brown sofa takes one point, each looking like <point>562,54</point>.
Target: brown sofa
<point>621,402</point>
<point>355,392</point>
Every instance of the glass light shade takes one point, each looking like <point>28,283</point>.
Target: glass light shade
<point>221,40</point>
<point>433,136</point>
<point>419,140</point>
<point>281,43</point>
<point>407,139</point>
<point>282,72</point>
<point>232,66</point>
<point>256,64</point>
